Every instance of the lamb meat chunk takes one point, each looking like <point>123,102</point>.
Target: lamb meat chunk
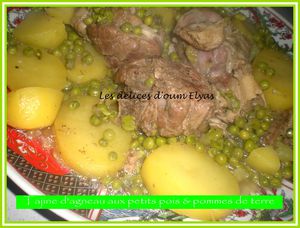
<point>120,47</point>
<point>167,117</point>
<point>77,21</point>
<point>201,28</point>
<point>223,50</point>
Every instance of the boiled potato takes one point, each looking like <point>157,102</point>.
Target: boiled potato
<point>41,31</point>
<point>279,96</point>
<point>83,73</point>
<point>77,141</point>
<point>29,71</point>
<point>63,14</point>
<point>33,107</point>
<point>264,159</point>
<point>178,169</point>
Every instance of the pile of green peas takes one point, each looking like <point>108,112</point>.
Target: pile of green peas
<point>99,16</point>
<point>71,49</point>
<point>268,71</point>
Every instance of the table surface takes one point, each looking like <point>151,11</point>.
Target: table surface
<point>45,215</point>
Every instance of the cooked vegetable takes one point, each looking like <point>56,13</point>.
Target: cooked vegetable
<point>264,159</point>
<point>28,71</point>
<point>41,31</point>
<point>167,16</point>
<point>274,71</point>
<point>79,142</point>
<point>92,66</point>
<point>63,14</point>
<point>33,107</point>
<point>179,169</point>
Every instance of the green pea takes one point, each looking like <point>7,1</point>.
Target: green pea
<point>112,156</point>
<point>135,144</point>
<point>126,27</point>
<point>212,152</point>
<point>289,133</point>
<point>148,20</point>
<point>234,130</point>
<point>233,161</point>
<point>149,82</point>
<point>28,51</point>
<point>240,122</point>
<point>149,143</point>
<point>254,137</point>
<point>68,43</point>
<point>141,139</point>
<point>215,133</point>
<point>140,13</point>
<point>77,49</point>
<point>109,134</point>
<point>270,72</point>
<point>263,181</point>
<point>249,145</point>
<point>171,140</point>
<point>244,135</point>
<point>221,159</point>
<point>12,50</point>
<point>275,182</point>
<point>64,49</point>
<point>200,147</point>
<point>128,123</point>
<point>265,126</point>
<point>88,21</point>
<point>87,59</point>
<point>264,84</point>
<point>190,140</point>
<point>102,107</point>
<point>238,153</point>
<point>259,132</point>
<point>75,91</point>
<point>260,114</point>
<point>78,42</point>
<point>160,141</point>
<point>74,105</point>
<point>57,53</point>
<point>262,65</point>
<point>95,83</point>
<point>218,144</point>
<point>103,142</point>
<point>93,92</point>
<point>116,184</point>
<point>95,120</point>
<point>72,36</point>
<point>287,172</point>
<point>137,30</point>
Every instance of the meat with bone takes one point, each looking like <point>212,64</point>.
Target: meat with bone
<point>119,46</point>
<point>212,45</point>
<point>168,117</point>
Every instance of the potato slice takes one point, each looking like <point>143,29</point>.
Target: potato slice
<point>264,159</point>
<point>77,141</point>
<point>29,71</point>
<point>83,73</point>
<point>279,95</point>
<point>33,107</point>
<point>41,31</point>
<point>63,14</point>
<point>178,169</point>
